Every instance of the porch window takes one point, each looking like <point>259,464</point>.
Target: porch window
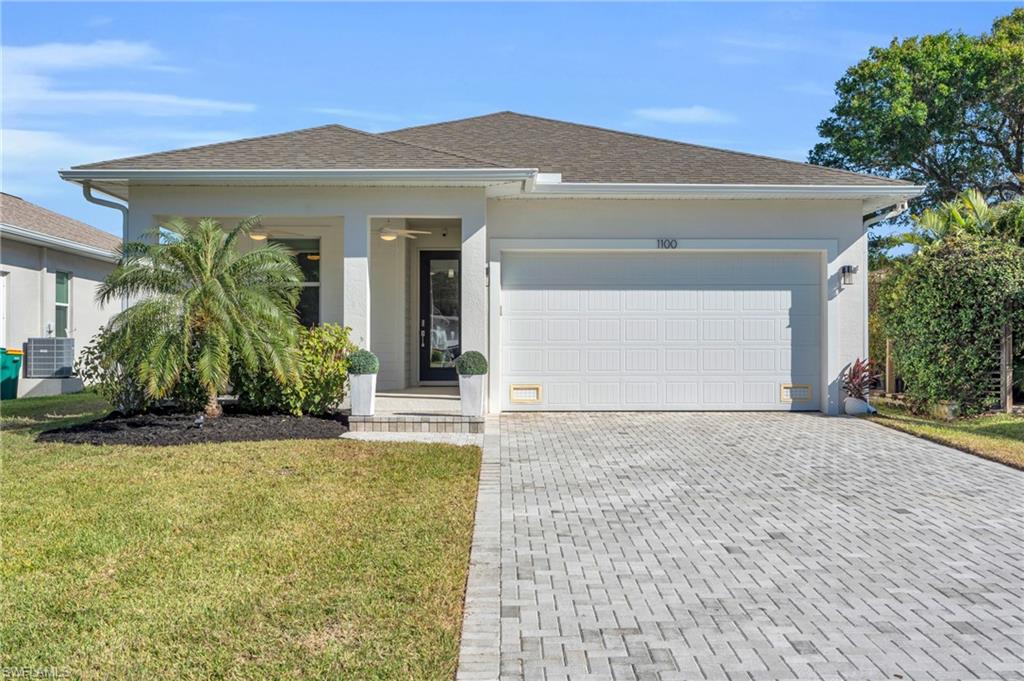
<point>307,254</point>
<point>62,312</point>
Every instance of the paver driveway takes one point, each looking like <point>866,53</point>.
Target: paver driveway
<point>764,546</point>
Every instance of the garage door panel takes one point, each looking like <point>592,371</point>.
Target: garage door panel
<point>640,330</point>
<point>642,360</point>
<point>562,331</point>
<point>603,330</point>
<point>659,331</point>
<point>562,361</point>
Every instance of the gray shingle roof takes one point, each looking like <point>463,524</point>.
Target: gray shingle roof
<point>581,153</point>
<point>584,153</point>
<point>18,212</point>
<point>325,147</point>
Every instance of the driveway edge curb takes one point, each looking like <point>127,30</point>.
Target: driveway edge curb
<point>480,645</point>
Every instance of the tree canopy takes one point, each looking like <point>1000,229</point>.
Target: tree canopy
<point>944,110</point>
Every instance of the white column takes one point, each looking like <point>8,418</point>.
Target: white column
<point>474,282</point>
<point>356,312</point>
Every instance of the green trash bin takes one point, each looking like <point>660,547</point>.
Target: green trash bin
<point>10,369</point>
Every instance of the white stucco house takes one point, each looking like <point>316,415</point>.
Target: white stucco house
<point>596,269</point>
<point>50,266</point>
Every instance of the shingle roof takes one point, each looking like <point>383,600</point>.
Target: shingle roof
<point>325,147</point>
<point>584,153</point>
<point>581,153</point>
<point>18,212</point>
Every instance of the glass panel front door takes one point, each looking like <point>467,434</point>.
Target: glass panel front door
<point>440,315</point>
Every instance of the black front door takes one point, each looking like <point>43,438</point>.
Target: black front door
<point>440,314</point>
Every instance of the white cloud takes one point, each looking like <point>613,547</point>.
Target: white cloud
<point>695,114</point>
<point>31,158</point>
<point>31,82</point>
<point>361,114</point>
<point>49,57</point>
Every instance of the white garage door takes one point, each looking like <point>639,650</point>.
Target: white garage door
<point>666,330</point>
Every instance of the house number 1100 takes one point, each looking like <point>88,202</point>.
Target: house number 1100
<point>667,243</point>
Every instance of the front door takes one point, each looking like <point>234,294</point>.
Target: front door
<point>440,315</point>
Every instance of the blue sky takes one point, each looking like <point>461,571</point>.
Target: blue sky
<point>90,81</point>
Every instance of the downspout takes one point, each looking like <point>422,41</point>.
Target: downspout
<point>87,193</point>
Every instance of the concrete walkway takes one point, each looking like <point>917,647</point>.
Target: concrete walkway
<point>753,546</point>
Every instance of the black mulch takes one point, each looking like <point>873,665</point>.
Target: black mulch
<point>180,429</point>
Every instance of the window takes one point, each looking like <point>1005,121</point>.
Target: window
<point>62,313</point>
<point>307,254</point>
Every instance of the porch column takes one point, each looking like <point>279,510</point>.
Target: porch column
<point>356,283</point>
<point>474,280</point>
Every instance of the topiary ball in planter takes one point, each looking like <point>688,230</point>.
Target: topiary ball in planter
<point>471,367</point>
<point>363,362</point>
<point>471,363</point>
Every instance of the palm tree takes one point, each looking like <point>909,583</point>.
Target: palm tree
<point>968,213</point>
<point>203,305</point>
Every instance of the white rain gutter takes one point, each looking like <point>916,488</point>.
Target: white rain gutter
<point>87,193</point>
<point>896,210</point>
<point>348,176</point>
<point>35,238</point>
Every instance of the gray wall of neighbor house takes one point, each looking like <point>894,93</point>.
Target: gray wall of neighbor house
<point>31,301</point>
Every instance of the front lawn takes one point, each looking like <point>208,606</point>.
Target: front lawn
<point>301,558</point>
<point>999,437</point>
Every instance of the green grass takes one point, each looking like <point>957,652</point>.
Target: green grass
<point>999,437</point>
<point>311,559</point>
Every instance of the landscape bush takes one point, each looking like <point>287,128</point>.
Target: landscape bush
<point>115,376</point>
<point>318,387</point>
<point>945,308</point>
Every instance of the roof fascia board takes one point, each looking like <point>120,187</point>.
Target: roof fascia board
<point>341,176</point>
<point>39,239</point>
<point>726,190</point>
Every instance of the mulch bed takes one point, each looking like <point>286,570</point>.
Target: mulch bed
<point>180,429</point>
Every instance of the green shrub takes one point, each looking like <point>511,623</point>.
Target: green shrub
<point>118,382</point>
<point>363,362</point>
<point>471,363</point>
<point>323,365</point>
<point>945,309</point>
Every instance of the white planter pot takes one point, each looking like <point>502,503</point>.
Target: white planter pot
<point>364,393</point>
<point>856,407</point>
<point>471,395</point>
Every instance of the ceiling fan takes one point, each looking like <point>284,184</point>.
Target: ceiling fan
<point>392,233</point>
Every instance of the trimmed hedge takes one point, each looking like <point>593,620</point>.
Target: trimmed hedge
<point>945,309</point>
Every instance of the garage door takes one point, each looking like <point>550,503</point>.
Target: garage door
<point>666,330</point>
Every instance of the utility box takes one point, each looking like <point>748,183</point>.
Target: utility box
<point>49,357</point>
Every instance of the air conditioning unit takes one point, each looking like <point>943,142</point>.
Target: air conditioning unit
<point>49,357</point>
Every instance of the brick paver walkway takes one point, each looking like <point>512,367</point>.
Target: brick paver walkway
<point>753,546</point>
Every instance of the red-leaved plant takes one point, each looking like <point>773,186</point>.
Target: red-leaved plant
<point>859,378</point>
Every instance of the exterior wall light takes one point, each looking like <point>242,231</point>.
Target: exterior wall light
<point>847,272</point>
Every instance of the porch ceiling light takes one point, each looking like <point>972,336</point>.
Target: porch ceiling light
<point>388,236</point>
<point>258,236</point>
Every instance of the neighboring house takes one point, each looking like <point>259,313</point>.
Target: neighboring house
<point>50,266</point>
<point>596,269</point>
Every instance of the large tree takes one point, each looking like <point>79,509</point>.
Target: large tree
<point>943,110</point>
<point>203,306</point>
